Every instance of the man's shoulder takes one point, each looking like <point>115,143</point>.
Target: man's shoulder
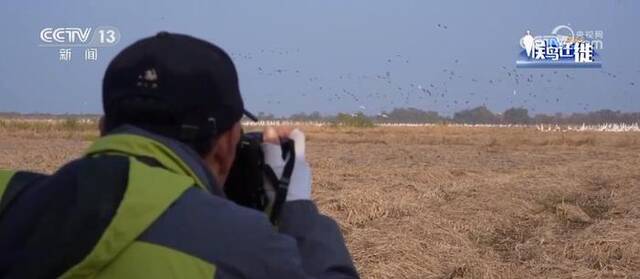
<point>206,217</point>
<point>214,229</point>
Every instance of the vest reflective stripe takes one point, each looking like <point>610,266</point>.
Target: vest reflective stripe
<point>142,146</point>
<point>150,191</point>
<point>147,260</point>
<point>5,178</point>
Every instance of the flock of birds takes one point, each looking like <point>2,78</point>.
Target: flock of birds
<point>609,127</point>
<point>383,90</point>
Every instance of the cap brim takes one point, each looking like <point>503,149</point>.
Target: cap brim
<point>250,116</point>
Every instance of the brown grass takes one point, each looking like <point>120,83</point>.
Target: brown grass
<point>448,202</point>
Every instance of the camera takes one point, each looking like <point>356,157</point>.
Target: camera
<point>247,181</point>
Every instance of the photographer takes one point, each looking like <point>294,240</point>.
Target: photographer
<point>148,199</point>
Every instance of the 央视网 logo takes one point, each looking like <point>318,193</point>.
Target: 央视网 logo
<point>564,48</point>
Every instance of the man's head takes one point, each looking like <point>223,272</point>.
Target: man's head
<point>180,87</point>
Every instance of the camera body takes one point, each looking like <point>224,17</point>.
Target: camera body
<point>246,183</point>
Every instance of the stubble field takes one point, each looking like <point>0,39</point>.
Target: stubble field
<point>448,202</point>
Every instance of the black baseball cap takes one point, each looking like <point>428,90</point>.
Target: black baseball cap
<point>181,86</point>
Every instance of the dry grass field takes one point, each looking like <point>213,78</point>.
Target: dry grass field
<point>446,202</point>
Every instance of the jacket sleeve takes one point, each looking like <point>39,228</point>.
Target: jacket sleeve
<point>241,242</point>
<point>308,245</point>
<point>319,240</point>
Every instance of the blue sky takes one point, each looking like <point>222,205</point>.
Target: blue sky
<point>329,56</point>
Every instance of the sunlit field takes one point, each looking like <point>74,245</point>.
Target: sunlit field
<point>444,201</point>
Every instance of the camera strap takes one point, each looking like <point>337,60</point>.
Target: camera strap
<point>281,184</point>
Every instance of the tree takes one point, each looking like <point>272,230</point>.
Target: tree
<point>478,115</point>
<point>544,119</point>
<point>411,115</point>
<point>516,116</point>
<point>265,116</point>
<point>301,116</point>
<point>353,120</point>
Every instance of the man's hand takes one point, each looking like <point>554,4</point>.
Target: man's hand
<point>300,185</point>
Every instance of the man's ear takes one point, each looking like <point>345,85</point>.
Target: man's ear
<point>101,126</point>
<point>227,141</point>
<point>221,156</point>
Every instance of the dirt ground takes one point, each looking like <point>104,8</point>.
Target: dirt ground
<point>451,202</point>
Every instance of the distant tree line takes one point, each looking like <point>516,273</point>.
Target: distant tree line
<point>47,115</point>
<point>477,115</point>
